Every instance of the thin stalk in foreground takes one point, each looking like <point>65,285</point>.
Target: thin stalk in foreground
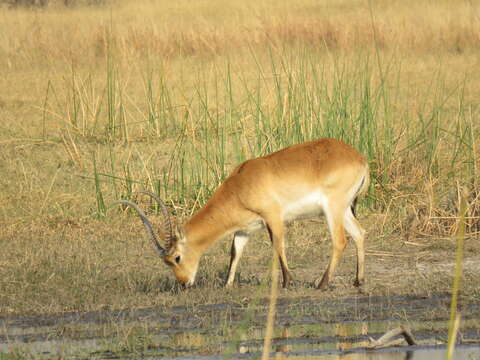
<point>49,191</point>
<point>101,207</point>
<point>454,318</point>
<point>271,308</point>
<point>44,117</point>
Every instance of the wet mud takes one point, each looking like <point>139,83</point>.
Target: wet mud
<point>305,327</point>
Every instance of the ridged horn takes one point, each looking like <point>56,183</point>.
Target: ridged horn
<point>146,223</point>
<point>167,223</point>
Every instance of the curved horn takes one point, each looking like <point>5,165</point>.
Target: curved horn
<point>146,223</point>
<point>167,223</point>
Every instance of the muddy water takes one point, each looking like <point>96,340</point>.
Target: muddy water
<point>305,328</point>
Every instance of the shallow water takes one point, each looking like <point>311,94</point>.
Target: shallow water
<point>431,353</point>
<point>305,328</point>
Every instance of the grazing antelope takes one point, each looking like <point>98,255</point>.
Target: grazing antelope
<point>297,182</point>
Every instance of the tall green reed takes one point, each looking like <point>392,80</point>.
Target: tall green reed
<point>227,114</point>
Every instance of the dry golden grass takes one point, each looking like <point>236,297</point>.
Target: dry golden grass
<point>163,29</point>
<point>75,84</point>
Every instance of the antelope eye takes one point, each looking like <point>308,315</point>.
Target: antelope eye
<point>177,259</point>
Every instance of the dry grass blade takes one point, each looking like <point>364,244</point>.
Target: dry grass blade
<point>271,308</point>
<point>457,275</point>
<point>452,336</point>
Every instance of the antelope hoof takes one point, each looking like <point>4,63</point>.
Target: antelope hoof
<point>287,280</point>
<point>324,284</point>
<point>358,283</point>
<point>326,287</point>
<point>287,283</point>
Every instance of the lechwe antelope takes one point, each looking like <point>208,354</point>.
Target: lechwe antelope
<point>294,183</point>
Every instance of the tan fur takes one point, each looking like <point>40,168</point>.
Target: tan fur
<point>299,181</point>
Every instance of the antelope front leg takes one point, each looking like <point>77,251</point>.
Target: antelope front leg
<point>240,239</point>
<point>276,232</point>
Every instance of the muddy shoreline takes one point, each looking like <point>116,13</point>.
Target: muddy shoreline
<point>304,327</point>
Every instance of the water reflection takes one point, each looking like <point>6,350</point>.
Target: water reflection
<point>216,331</point>
<point>189,340</point>
<point>349,330</point>
<point>283,347</point>
<point>461,353</point>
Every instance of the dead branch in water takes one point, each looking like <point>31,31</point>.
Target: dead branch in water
<point>384,341</point>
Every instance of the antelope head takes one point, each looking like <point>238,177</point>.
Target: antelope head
<point>176,252</point>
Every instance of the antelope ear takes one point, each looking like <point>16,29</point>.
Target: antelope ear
<point>179,235</point>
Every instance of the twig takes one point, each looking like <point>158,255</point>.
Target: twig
<point>382,253</point>
<point>415,244</point>
<point>470,341</point>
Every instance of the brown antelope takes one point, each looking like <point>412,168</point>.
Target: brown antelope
<point>297,182</point>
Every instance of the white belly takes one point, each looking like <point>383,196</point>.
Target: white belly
<point>306,207</point>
